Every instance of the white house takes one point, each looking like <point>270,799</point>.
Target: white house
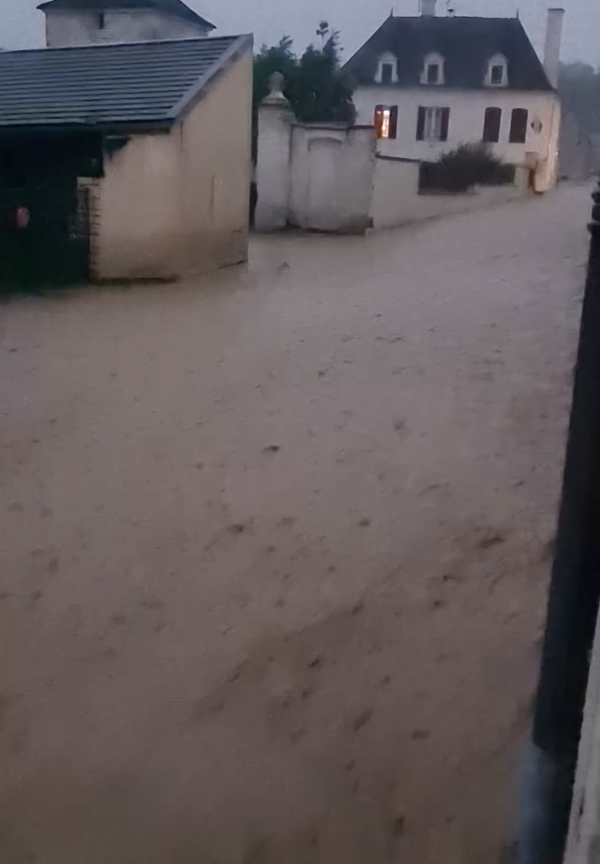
<point>89,22</point>
<point>428,84</point>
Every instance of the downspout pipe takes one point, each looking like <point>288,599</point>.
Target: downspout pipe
<point>549,767</point>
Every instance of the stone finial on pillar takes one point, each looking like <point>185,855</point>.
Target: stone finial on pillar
<point>276,96</point>
<point>275,118</point>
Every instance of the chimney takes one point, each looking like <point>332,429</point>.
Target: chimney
<point>427,8</point>
<point>553,43</point>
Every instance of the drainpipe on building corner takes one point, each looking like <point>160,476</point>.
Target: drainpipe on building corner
<point>552,50</point>
<point>549,768</point>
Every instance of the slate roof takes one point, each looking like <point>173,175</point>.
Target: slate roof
<point>466,44</point>
<point>116,86</point>
<point>170,7</point>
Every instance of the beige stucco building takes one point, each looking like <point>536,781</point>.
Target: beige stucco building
<point>151,143</point>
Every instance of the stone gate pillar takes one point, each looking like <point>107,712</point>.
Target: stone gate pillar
<point>273,160</point>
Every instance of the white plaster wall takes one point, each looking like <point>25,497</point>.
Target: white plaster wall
<point>175,204</point>
<point>358,163</point>
<point>396,199</point>
<point>75,27</point>
<point>70,28</point>
<point>330,177</point>
<point>315,177</point>
<point>467,113</point>
<point>273,167</point>
<point>395,193</point>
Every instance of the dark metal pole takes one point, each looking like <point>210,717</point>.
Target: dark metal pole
<point>573,601</point>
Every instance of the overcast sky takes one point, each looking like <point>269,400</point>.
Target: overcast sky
<point>21,23</point>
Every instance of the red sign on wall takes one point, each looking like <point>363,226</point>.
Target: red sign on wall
<point>22,217</point>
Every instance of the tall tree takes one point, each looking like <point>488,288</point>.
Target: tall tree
<point>313,83</point>
<point>317,90</point>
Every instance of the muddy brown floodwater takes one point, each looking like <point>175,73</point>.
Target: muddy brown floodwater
<point>275,547</point>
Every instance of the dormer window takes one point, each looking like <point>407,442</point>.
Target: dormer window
<point>497,72</point>
<point>387,69</point>
<point>433,70</point>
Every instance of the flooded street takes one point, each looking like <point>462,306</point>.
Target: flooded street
<point>276,547</point>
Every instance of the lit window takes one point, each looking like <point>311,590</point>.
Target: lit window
<point>386,121</point>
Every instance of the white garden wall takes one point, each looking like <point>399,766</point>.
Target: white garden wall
<point>396,199</point>
<point>329,177</point>
<point>331,172</point>
<point>316,176</point>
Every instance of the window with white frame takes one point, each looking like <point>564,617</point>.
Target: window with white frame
<point>433,70</point>
<point>387,69</point>
<point>433,124</point>
<point>497,72</point>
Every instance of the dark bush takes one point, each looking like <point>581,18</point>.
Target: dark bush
<point>467,166</point>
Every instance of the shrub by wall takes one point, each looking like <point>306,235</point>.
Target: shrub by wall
<point>458,171</point>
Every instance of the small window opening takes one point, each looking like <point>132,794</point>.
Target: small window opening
<point>497,75</point>
<point>491,125</point>
<point>518,126</point>
<point>433,73</point>
<point>386,121</point>
<point>387,73</point>
<point>101,20</point>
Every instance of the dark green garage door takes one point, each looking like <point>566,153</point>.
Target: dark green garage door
<point>44,235</point>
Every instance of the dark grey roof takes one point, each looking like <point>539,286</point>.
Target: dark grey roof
<point>170,7</point>
<point>109,86</point>
<point>466,45</point>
